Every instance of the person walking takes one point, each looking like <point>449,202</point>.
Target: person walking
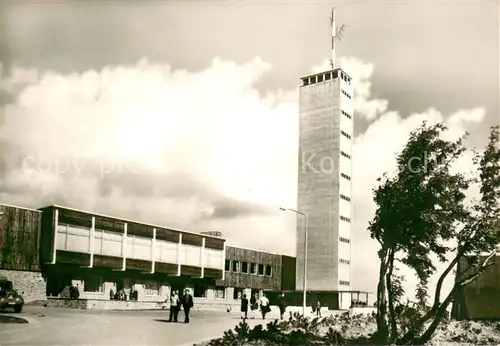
<point>282,305</point>
<point>244,307</point>
<point>175,303</point>
<point>318,309</point>
<point>264,306</point>
<point>253,305</point>
<point>187,304</point>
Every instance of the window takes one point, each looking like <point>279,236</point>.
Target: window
<point>346,219</point>
<point>328,76</point>
<point>344,283</point>
<point>93,284</point>
<point>345,176</point>
<point>320,78</point>
<point>236,266</point>
<point>152,288</point>
<point>237,293</point>
<point>253,268</point>
<point>261,269</point>
<point>345,134</point>
<point>344,261</point>
<point>200,290</point>
<point>269,270</point>
<point>346,94</point>
<point>345,155</point>
<point>244,267</point>
<point>345,198</point>
<point>220,292</point>
<point>344,240</point>
<point>345,114</point>
<point>228,265</point>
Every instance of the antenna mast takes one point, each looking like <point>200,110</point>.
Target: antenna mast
<point>334,37</point>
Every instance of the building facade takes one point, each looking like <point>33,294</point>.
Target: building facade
<point>325,181</point>
<point>43,251</point>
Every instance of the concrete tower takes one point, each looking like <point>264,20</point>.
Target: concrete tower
<point>325,179</point>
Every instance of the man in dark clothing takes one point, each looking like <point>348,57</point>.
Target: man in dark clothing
<point>244,307</point>
<point>187,304</point>
<point>282,305</point>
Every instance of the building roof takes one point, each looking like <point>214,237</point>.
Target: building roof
<point>323,72</point>
<point>18,207</point>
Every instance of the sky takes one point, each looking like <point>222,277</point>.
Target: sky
<point>185,114</point>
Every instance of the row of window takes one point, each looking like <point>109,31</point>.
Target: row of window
<point>95,284</point>
<point>345,198</point>
<point>344,283</point>
<point>346,94</point>
<point>345,176</point>
<point>346,114</point>
<point>345,154</point>
<point>345,134</point>
<point>345,78</point>
<point>346,219</point>
<point>344,240</point>
<point>248,268</point>
<point>344,261</point>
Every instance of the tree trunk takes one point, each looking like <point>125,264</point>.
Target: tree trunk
<point>426,336</point>
<point>382,328</point>
<point>390,298</point>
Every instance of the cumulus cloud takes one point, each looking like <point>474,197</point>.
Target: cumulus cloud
<point>191,149</point>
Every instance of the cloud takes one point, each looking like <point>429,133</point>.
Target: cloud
<point>200,150</point>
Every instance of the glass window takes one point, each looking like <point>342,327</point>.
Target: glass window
<point>152,288</point>
<point>269,270</point>
<point>237,293</point>
<point>236,266</point>
<point>261,269</point>
<point>93,284</point>
<point>200,290</point>
<point>253,268</point>
<point>228,265</point>
<point>220,292</point>
<point>244,267</point>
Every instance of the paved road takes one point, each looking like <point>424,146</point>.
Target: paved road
<point>60,326</point>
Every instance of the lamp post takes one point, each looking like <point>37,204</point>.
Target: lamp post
<point>304,281</point>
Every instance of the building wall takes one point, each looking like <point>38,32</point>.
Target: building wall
<point>318,183</point>
<point>239,256</point>
<point>31,285</point>
<point>85,239</point>
<point>479,299</point>
<point>19,238</point>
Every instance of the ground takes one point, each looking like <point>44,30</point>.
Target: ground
<point>61,326</point>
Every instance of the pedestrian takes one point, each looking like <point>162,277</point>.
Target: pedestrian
<point>253,305</point>
<point>187,304</point>
<point>244,307</point>
<point>174,306</point>
<point>282,305</point>
<point>264,306</point>
<point>318,308</point>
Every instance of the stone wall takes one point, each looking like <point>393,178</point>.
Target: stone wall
<point>31,285</point>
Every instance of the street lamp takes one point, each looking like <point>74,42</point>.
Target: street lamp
<point>304,281</point>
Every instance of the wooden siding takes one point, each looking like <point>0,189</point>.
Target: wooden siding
<point>135,264</point>
<point>192,239</point>
<point>109,224</point>
<point>288,271</point>
<point>76,218</point>
<point>139,230</point>
<point>212,273</point>
<point>47,235</point>
<point>479,299</point>
<point>70,257</point>
<point>213,243</point>
<point>190,271</point>
<point>20,238</point>
<point>242,280</point>
<point>165,268</point>
<point>107,262</point>
<point>167,235</point>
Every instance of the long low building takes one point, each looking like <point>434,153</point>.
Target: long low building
<point>45,250</point>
